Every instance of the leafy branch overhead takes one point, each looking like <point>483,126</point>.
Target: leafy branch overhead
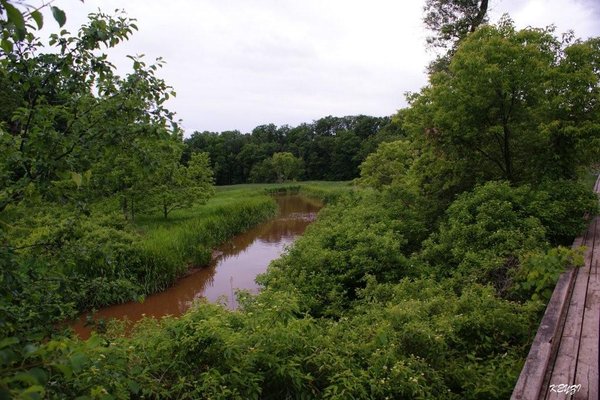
<point>73,99</point>
<point>19,19</point>
<point>451,20</point>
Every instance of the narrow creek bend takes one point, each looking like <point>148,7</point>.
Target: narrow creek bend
<point>235,265</point>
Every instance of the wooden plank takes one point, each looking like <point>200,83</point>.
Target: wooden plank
<point>558,342</point>
<point>587,364</point>
<point>532,383</point>
<point>546,340</point>
<point>564,368</point>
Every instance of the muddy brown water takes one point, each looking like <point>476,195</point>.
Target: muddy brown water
<point>235,265</point>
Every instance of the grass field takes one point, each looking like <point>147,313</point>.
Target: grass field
<point>235,194</point>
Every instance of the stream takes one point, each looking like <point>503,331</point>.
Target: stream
<point>235,265</point>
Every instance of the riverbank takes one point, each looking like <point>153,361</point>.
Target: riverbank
<point>167,250</point>
<point>234,266</point>
<point>189,236</point>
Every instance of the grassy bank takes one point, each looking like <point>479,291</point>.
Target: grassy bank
<point>108,260</point>
<point>325,191</point>
<point>188,236</point>
<point>162,249</point>
<point>169,248</point>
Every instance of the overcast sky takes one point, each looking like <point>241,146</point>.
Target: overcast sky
<point>236,64</point>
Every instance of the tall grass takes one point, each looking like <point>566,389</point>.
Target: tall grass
<point>165,248</point>
<point>168,250</point>
<point>327,192</point>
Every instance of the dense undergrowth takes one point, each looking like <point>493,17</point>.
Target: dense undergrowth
<point>345,314</point>
<point>425,279</point>
<point>106,260</point>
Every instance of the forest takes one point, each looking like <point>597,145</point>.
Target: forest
<point>331,149</point>
<point>425,275</point>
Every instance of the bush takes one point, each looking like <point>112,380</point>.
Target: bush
<point>563,207</point>
<point>485,233</point>
<point>355,237</point>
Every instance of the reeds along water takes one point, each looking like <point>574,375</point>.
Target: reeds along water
<point>167,252</point>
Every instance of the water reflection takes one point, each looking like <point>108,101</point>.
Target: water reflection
<point>235,265</point>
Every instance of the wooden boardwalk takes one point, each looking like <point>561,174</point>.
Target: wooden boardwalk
<point>563,362</point>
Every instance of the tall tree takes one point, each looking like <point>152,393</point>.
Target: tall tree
<point>513,105</point>
<point>451,20</point>
<point>286,166</point>
<point>69,106</point>
<point>176,186</point>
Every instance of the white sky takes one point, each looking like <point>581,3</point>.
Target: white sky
<point>236,64</point>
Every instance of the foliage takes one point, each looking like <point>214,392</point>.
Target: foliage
<point>332,148</point>
<point>355,237</point>
<point>388,165</point>
<point>563,207</point>
<point>18,21</point>
<point>263,171</point>
<point>498,232</point>
<point>176,186</point>
<point>286,166</point>
<point>513,105</point>
<point>406,340</point>
<point>425,280</point>
<point>451,20</point>
<point>69,108</point>
<point>539,272</point>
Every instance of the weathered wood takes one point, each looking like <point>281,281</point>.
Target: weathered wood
<point>564,368</point>
<point>546,340</point>
<point>586,373</point>
<point>565,350</point>
<point>587,362</point>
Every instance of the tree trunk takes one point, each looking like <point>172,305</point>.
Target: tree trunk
<point>480,15</point>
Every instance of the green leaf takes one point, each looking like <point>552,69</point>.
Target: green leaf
<point>38,18</point>
<point>77,178</point>
<point>14,16</point>
<point>66,370</point>
<point>78,361</point>
<point>8,341</point>
<point>59,15</point>
<point>33,392</point>
<point>6,45</point>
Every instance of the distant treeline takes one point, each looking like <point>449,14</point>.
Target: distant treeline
<point>331,148</point>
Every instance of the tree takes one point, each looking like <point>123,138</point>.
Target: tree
<point>513,105</point>
<point>132,170</point>
<point>286,166</point>
<point>452,20</point>
<point>387,166</point>
<point>345,156</point>
<point>69,107</point>
<point>18,21</point>
<point>332,148</point>
<point>263,172</point>
<point>176,186</point>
